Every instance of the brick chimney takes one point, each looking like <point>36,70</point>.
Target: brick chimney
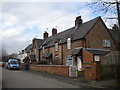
<point>78,21</point>
<point>45,35</point>
<point>115,27</point>
<point>54,31</point>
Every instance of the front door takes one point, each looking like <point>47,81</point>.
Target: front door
<point>79,63</point>
<point>56,60</point>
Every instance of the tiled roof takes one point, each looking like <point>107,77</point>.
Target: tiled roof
<point>97,51</point>
<point>76,51</point>
<point>38,42</point>
<point>75,32</point>
<point>27,49</point>
<point>47,55</point>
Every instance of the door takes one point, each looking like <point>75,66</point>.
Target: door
<point>56,60</point>
<point>79,63</point>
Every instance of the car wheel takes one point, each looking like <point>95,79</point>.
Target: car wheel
<point>9,68</point>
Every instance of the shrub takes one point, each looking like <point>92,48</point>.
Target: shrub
<point>43,62</point>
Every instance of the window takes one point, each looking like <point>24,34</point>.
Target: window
<point>69,61</point>
<point>30,52</point>
<point>69,43</point>
<point>106,43</point>
<point>35,50</point>
<point>97,58</point>
<point>56,46</point>
<point>43,49</point>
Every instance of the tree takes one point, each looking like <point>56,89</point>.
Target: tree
<point>13,56</point>
<point>106,6</point>
<point>4,55</point>
<point>4,52</point>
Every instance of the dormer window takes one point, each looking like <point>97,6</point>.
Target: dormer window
<point>56,46</point>
<point>69,43</point>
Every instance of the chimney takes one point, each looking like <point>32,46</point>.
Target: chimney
<point>54,31</point>
<point>78,21</point>
<point>45,35</point>
<point>115,27</point>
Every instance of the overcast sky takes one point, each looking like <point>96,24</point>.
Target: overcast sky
<point>22,21</point>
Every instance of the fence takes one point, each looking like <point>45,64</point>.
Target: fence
<point>110,65</point>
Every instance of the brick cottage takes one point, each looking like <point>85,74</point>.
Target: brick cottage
<point>60,47</point>
<point>83,45</point>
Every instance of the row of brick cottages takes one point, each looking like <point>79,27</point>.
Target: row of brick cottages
<point>79,45</point>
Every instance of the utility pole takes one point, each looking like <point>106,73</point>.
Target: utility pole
<point>118,66</point>
<point>118,12</point>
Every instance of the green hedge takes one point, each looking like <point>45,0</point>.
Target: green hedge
<point>42,62</point>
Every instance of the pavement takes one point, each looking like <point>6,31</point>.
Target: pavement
<point>112,84</point>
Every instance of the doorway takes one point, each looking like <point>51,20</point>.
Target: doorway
<point>79,63</point>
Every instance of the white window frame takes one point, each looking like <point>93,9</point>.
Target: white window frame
<point>106,43</point>
<point>96,58</point>
<point>43,49</point>
<point>56,46</point>
<point>30,52</point>
<point>69,43</point>
<point>69,59</point>
<point>35,50</point>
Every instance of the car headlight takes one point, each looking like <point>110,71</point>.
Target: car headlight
<point>11,65</point>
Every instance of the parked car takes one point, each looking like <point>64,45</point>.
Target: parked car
<point>12,64</point>
<point>6,65</point>
<point>2,64</point>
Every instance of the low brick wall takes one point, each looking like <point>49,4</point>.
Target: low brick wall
<point>54,69</point>
<point>22,66</point>
<point>93,72</point>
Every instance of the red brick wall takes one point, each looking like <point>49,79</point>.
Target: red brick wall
<point>91,68</point>
<point>62,52</point>
<point>54,69</point>
<point>96,36</point>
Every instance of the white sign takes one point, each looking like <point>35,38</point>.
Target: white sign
<point>97,58</point>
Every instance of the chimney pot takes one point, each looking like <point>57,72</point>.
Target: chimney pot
<point>54,31</point>
<point>115,27</point>
<point>45,35</point>
<point>78,21</point>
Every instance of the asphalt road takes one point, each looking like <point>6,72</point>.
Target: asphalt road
<point>0,78</point>
<point>23,79</point>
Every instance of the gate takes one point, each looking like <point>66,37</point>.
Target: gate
<point>109,66</point>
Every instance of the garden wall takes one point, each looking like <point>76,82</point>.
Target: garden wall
<point>53,69</point>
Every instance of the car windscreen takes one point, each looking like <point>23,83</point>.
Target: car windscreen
<point>13,62</point>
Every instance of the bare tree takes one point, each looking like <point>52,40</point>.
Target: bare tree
<point>4,52</point>
<point>106,6</point>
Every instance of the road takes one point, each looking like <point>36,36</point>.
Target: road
<point>0,78</point>
<point>24,79</point>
